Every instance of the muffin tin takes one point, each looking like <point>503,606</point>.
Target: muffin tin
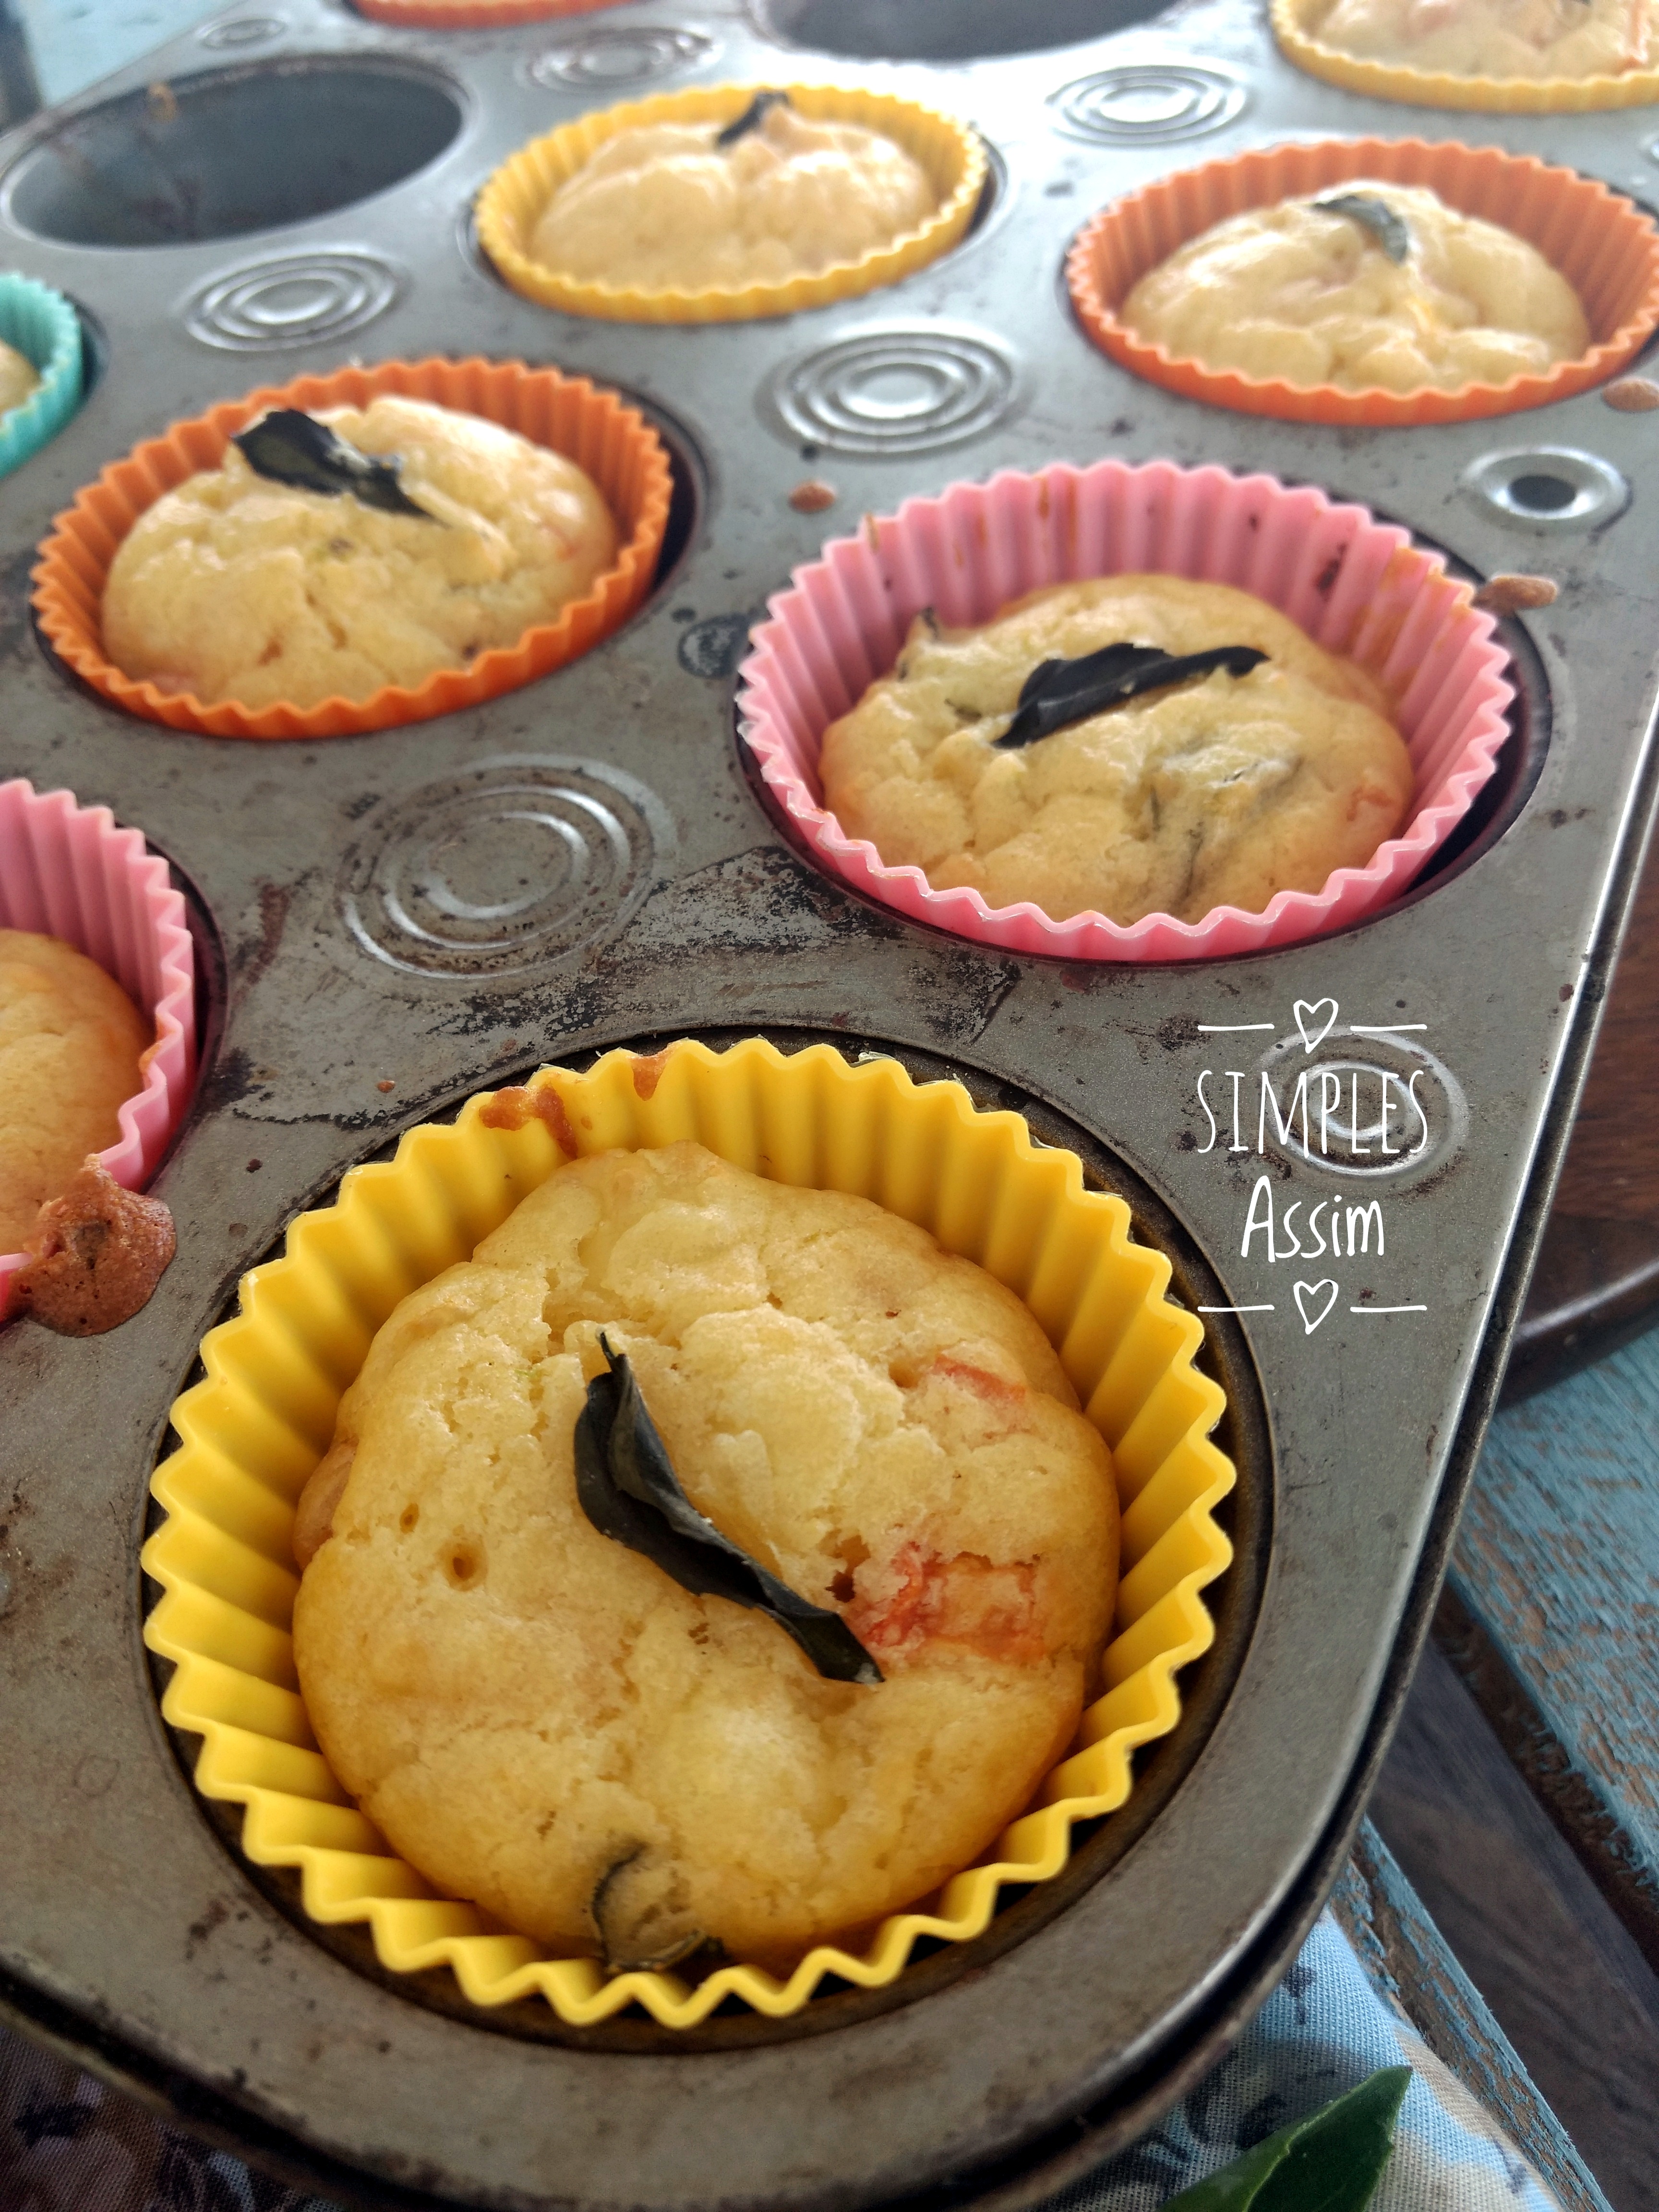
<point>588,861</point>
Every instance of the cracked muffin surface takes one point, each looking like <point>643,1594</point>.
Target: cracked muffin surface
<point>232,587</point>
<point>1302,291</point>
<point>542,1721</point>
<point>1217,793</point>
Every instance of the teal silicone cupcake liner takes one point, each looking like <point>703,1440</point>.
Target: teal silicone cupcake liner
<point>41,324</point>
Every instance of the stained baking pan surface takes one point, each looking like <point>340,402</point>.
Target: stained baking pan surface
<point>588,861</point>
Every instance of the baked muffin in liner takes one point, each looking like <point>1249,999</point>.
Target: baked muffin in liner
<point>40,324</point>
<point>473,14</point>
<point>1516,96</point>
<point>252,1431</point>
<point>66,870</point>
<point>512,202</point>
<point>1358,586</point>
<point>1604,245</point>
<point>611,440</point>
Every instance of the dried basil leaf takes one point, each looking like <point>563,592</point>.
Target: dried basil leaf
<point>627,1486</point>
<point>1386,227</point>
<point>292,447</point>
<point>640,1927</point>
<point>1331,2161</point>
<point>752,117</point>
<point>1058,693</point>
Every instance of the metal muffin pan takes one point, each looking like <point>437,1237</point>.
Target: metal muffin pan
<point>589,861</point>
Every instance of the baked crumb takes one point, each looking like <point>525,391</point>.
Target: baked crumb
<point>96,1255</point>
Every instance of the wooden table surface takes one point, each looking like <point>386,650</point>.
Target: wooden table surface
<point>1550,1620</point>
<point>1596,1282</point>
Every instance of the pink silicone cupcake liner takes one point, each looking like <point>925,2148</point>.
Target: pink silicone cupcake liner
<point>1359,587</point>
<point>66,870</point>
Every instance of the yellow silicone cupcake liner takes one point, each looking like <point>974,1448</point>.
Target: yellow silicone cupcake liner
<point>512,202</point>
<point>1514,95</point>
<point>252,1431</point>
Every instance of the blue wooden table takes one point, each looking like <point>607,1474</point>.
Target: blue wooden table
<point>1551,1614</point>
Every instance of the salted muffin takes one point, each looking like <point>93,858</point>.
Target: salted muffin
<point>19,377</point>
<point>1219,792</point>
<point>235,586</point>
<point>667,206</point>
<point>1493,38</point>
<point>1314,295</point>
<point>544,1721</point>
<point>70,1046</point>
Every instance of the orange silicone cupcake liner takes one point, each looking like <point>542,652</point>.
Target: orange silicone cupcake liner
<point>1514,95</point>
<point>512,202</point>
<point>1602,243</point>
<point>473,14</point>
<point>600,432</point>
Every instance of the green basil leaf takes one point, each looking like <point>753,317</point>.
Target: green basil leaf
<point>1058,693</point>
<point>1331,2161</point>
<point>1386,227</point>
<point>292,447</point>
<point>627,1486</point>
<point>752,117</point>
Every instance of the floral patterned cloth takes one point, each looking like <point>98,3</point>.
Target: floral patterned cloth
<point>1322,2031</point>
<point>67,2144</point>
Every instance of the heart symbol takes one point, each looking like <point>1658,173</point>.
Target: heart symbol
<point>1307,1294</point>
<point>1303,1010</point>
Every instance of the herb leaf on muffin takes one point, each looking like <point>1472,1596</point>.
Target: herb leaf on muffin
<point>1385,225</point>
<point>752,117</point>
<point>292,447</point>
<point>640,1914</point>
<point>628,1488</point>
<point>1058,693</point>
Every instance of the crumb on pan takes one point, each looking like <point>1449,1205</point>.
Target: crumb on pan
<point>1514,595</point>
<point>1633,395</point>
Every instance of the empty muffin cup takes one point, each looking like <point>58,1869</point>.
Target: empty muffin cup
<point>473,14</point>
<point>607,438</point>
<point>1294,21</point>
<point>66,870</point>
<point>1603,245</point>
<point>253,1431</point>
<point>513,201</point>
<point>1358,587</point>
<point>40,324</point>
